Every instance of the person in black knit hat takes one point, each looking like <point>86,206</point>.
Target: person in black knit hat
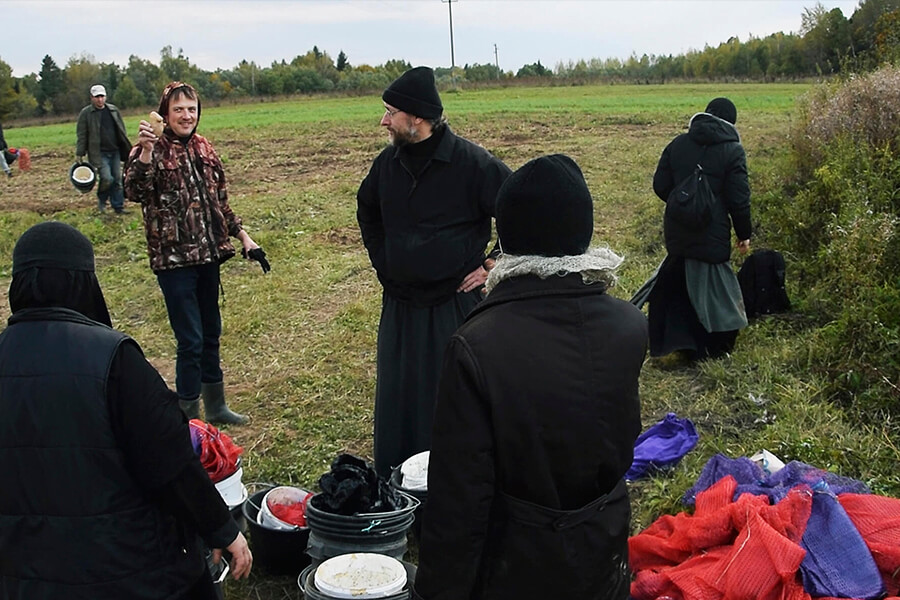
<point>414,93</point>
<point>537,411</point>
<point>696,307</point>
<point>105,497</point>
<point>424,211</point>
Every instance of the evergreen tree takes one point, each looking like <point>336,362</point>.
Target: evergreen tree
<point>50,86</point>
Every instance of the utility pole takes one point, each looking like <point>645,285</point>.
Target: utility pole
<point>496,61</point>
<point>450,9</point>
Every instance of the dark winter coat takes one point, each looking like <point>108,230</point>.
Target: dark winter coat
<point>187,218</point>
<point>537,415</point>
<point>74,523</point>
<point>88,133</point>
<point>425,233</point>
<point>725,165</point>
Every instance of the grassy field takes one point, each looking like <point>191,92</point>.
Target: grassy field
<point>299,343</point>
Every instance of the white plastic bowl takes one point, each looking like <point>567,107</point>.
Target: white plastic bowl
<point>360,575</point>
<point>280,495</point>
<point>83,174</point>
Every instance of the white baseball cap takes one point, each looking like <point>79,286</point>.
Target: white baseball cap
<point>98,90</point>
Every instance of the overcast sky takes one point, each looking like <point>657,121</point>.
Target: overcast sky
<point>220,33</point>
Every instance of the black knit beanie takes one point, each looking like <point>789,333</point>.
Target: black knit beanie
<point>545,209</point>
<point>723,108</point>
<point>415,93</point>
<point>53,244</point>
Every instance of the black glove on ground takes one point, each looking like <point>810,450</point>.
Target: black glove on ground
<point>258,254</point>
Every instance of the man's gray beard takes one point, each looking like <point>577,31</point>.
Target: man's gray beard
<point>405,138</point>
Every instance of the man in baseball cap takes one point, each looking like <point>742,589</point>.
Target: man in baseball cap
<point>102,137</point>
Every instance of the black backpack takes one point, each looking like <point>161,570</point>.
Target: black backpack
<point>690,203</point>
<point>762,283</point>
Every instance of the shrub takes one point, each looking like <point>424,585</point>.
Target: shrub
<point>839,218</point>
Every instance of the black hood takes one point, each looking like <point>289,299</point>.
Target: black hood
<point>706,130</point>
<point>47,287</point>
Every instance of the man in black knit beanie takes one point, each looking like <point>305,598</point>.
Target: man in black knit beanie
<point>424,211</point>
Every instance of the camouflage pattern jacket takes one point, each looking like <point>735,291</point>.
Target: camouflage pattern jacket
<point>185,203</point>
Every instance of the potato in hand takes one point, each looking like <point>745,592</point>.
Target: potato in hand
<point>157,123</point>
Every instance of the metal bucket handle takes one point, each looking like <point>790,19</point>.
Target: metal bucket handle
<point>413,504</point>
<point>224,572</point>
<point>256,487</point>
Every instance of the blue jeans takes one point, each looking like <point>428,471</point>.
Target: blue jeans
<point>192,301</point>
<point>110,184</point>
<point>3,166</point>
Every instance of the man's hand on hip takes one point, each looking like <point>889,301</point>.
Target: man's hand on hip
<point>473,280</point>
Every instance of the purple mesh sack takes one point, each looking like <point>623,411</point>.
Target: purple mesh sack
<point>662,445</point>
<point>796,472</point>
<point>746,472</point>
<point>752,479</point>
<point>837,563</point>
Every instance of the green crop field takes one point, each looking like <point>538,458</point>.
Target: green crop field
<point>298,346</point>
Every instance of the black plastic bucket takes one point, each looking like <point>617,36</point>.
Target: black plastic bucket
<point>381,533</point>
<point>277,552</point>
<point>420,495</point>
<point>309,591</point>
<point>237,513</point>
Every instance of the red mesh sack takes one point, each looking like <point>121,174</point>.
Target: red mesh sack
<point>726,550</point>
<point>24,159</point>
<point>218,454</point>
<point>877,518</point>
<point>763,564</point>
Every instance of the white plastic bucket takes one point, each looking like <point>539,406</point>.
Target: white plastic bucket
<point>414,472</point>
<point>232,489</point>
<point>280,495</point>
<point>360,575</point>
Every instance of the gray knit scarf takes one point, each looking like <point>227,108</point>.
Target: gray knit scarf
<point>596,266</point>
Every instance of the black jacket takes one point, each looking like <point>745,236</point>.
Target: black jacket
<point>88,133</point>
<point>425,233</point>
<point>536,416</point>
<point>725,164</point>
<point>77,519</point>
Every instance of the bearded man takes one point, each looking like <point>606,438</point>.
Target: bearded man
<point>424,211</point>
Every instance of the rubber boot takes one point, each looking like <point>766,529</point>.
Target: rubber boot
<point>214,405</point>
<point>191,408</point>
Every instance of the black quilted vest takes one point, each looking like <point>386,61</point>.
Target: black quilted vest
<point>73,523</point>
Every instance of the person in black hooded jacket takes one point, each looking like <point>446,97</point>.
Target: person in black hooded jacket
<point>537,412</point>
<point>695,303</point>
<point>102,496</point>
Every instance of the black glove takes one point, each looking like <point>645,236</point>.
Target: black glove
<point>258,254</point>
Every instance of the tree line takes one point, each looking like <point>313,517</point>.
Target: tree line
<point>828,43</point>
